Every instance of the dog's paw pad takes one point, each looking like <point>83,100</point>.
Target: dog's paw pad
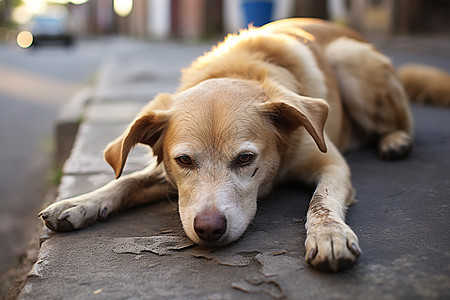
<point>64,225</point>
<point>395,145</point>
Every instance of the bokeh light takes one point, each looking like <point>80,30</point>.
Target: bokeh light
<point>24,39</point>
<point>123,7</point>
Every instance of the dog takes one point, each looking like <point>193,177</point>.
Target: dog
<point>270,104</point>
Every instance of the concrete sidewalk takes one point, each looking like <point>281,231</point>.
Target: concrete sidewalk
<point>401,218</point>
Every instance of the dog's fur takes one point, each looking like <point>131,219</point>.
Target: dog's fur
<point>275,103</point>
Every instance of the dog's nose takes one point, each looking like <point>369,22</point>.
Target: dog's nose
<point>210,227</point>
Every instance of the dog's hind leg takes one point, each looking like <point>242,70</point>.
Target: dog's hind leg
<point>140,187</point>
<point>373,96</point>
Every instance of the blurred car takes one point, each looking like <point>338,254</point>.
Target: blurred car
<point>50,30</point>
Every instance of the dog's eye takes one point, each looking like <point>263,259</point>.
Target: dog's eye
<point>244,159</point>
<point>184,161</point>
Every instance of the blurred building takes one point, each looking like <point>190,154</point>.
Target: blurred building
<point>194,19</point>
<point>400,16</point>
<point>149,18</point>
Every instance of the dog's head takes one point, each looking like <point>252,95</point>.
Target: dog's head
<point>221,144</point>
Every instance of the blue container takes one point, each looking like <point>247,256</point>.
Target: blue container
<point>258,12</point>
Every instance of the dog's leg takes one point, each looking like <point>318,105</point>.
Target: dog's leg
<point>373,95</point>
<point>330,244</point>
<point>140,187</point>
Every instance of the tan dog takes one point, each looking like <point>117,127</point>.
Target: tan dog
<point>275,103</point>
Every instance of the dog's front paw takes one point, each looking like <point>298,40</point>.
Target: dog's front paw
<point>332,249</point>
<point>72,214</point>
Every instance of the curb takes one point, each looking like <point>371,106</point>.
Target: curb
<point>68,122</point>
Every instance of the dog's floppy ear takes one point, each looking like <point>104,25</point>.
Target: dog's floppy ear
<point>148,128</point>
<point>290,111</point>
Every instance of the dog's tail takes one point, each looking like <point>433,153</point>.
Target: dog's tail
<point>425,84</point>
